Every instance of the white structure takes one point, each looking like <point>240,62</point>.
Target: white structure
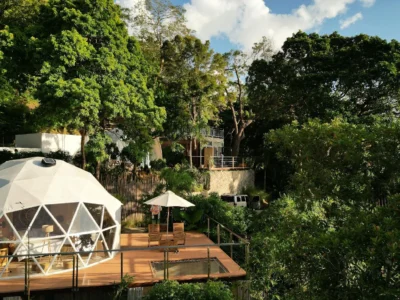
<point>119,139</point>
<point>49,209</point>
<point>49,142</point>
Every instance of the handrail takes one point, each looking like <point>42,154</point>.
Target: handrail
<point>122,250</point>
<point>246,241</point>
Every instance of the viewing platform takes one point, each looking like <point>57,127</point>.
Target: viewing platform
<point>140,261</point>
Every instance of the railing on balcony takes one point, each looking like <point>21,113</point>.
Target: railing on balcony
<point>214,133</point>
<point>228,162</point>
<point>220,162</point>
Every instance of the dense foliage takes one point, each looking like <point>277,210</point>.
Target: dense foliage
<point>84,69</point>
<point>335,236</point>
<point>325,76</point>
<point>172,290</point>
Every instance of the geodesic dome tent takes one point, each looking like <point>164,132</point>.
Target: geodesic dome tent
<point>50,209</point>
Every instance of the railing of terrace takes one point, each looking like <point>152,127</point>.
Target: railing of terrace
<point>217,232</point>
<point>221,162</point>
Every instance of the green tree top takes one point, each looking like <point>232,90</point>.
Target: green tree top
<point>91,72</point>
<point>325,76</point>
<point>193,82</point>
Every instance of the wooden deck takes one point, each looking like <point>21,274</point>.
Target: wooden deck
<point>136,263</point>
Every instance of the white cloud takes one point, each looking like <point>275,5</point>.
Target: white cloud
<point>245,22</point>
<point>350,21</point>
<point>367,3</point>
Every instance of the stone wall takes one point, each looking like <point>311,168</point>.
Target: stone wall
<point>230,181</point>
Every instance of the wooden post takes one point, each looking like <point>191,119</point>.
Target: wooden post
<point>230,241</point>
<point>122,266</point>
<point>208,263</point>
<point>218,234</point>
<point>233,161</point>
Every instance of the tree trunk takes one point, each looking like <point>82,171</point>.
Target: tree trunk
<point>190,152</point>
<point>98,168</point>
<point>237,139</point>
<point>83,136</point>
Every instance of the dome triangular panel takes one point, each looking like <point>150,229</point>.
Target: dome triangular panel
<point>7,232</point>
<point>22,219</point>
<point>44,226</point>
<point>83,222</point>
<point>107,220</point>
<point>63,213</point>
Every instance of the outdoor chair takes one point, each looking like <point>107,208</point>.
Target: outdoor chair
<point>179,233</point>
<point>3,260</point>
<point>154,233</point>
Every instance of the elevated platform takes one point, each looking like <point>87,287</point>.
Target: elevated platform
<point>135,263</point>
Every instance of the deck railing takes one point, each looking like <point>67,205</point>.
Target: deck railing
<point>215,231</point>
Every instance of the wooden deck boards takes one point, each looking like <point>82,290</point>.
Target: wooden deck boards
<point>136,263</point>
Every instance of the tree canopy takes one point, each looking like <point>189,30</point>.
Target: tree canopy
<point>86,71</point>
<point>327,76</point>
<point>334,235</point>
<point>193,86</point>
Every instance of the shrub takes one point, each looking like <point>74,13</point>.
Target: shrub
<point>238,219</point>
<point>174,154</point>
<point>158,165</point>
<point>177,180</point>
<point>172,290</point>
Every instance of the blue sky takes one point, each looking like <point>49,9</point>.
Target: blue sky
<point>239,23</point>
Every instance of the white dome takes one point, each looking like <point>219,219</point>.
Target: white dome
<point>48,209</point>
<point>27,183</point>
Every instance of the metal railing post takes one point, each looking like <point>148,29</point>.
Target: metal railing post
<point>208,263</point>
<point>208,227</point>
<point>218,234</point>
<point>77,275</point>
<point>122,266</point>
<point>233,161</point>
<point>247,258</point>
<point>165,264</point>
<point>73,273</point>
<point>230,241</point>
<point>26,292</point>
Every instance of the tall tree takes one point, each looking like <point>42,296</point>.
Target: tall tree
<point>154,22</point>
<point>17,17</point>
<point>193,82</point>
<point>238,66</point>
<point>91,71</point>
<point>325,76</point>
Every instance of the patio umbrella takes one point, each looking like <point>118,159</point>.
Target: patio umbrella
<point>169,199</point>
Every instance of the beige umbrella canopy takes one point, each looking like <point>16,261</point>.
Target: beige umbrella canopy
<point>169,199</point>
